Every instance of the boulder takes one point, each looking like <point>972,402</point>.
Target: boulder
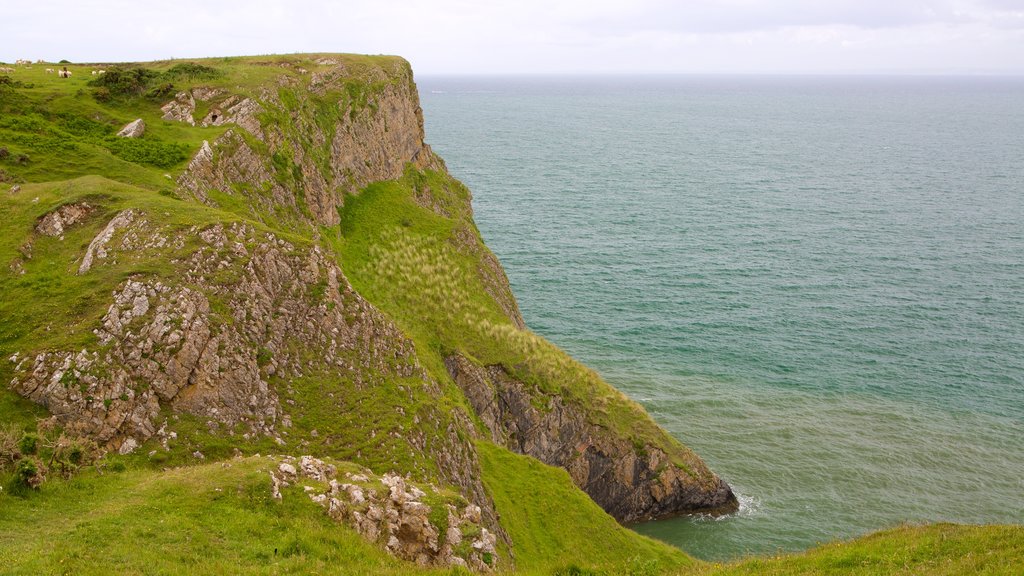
<point>133,129</point>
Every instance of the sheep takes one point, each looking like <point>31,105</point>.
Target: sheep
<point>93,72</point>
<point>49,70</point>
<point>101,72</point>
<point>64,73</point>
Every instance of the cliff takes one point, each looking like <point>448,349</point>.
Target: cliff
<point>281,264</point>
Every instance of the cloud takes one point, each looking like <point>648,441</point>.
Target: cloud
<point>540,35</point>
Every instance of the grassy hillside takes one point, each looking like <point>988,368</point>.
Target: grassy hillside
<point>220,518</point>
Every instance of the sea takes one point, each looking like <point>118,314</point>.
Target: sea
<point>815,282</point>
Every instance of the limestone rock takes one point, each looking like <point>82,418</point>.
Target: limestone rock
<point>630,484</point>
<point>98,247</point>
<point>395,516</point>
<point>133,129</point>
<point>180,109</point>
<point>54,223</point>
<point>369,142</point>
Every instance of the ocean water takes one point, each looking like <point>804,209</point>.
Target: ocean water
<point>815,282</point>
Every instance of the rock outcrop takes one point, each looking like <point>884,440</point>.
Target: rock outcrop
<point>134,129</point>
<point>163,344</point>
<point>368,138</point>
<point>394,513</point>
<point>221,338</point>
<point>632,483</point>
<point>54,223</point>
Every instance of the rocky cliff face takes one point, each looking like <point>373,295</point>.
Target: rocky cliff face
<point>630,482</point>
<point>304,146</point>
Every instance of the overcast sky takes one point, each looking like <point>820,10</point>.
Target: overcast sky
<point>541,36</point>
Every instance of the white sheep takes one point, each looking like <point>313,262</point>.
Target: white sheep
<point>101,72</point>
<point>49,70</point>
<point>93,72</point>
<point>64,73</point>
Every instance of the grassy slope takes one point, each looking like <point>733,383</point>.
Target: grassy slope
<point>208,519</point>
<point>400,255</point>
<point>219,518</point>
<point>936,550</point>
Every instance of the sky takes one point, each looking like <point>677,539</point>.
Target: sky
<point>541,36</point>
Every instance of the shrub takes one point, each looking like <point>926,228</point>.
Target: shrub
<point>4,152</point>
<point>102,94</point>
<point>125,82</point>
<point>9,440</point>
<point>23,158</point>
<point>29,444</point>
<point>70,454</point>
<point>29,474</point>
<point>146,151</point>
<point>192,71</point>
<point>161,92</point>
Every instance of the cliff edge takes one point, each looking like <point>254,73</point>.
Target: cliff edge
<point>281,264</point>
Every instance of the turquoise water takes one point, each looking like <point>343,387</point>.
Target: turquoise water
<point>817,283</point>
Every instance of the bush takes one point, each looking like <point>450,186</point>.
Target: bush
<point>29,474</point>
<point>29,444</point>
<point>125,82</point>
<point>146,151</point>
<point>102,94</point>
<point>70,454</point>
<point>9,440</point>
<point>192,71</point>
<point>4,152</point>
<point>161,92</point>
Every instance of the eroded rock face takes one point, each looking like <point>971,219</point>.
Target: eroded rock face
<point>369,141</point>
<point>630,484</point>
<point>55,222</point>
<point>162,345</point>
<point>180,109</point>
<point>391,511</point>
<point>237,316</point>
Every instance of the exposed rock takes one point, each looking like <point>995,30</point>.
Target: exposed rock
<point>235,110</point>
<point>98,246</point>
<point>396,516</point>
<point>133,129</point>
<point>180,109</point>
<point>128,446</point>
<point>631,484</point>
<point>54,223</point>
<point>370,141</point>
<point>194,345</point>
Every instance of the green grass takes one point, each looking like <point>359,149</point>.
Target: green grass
<point>554,526</point>
<point>935,550</point>
<point>208,519</point>
<point>220,518</point>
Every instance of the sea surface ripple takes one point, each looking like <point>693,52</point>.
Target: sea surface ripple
<point>815,282</point>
